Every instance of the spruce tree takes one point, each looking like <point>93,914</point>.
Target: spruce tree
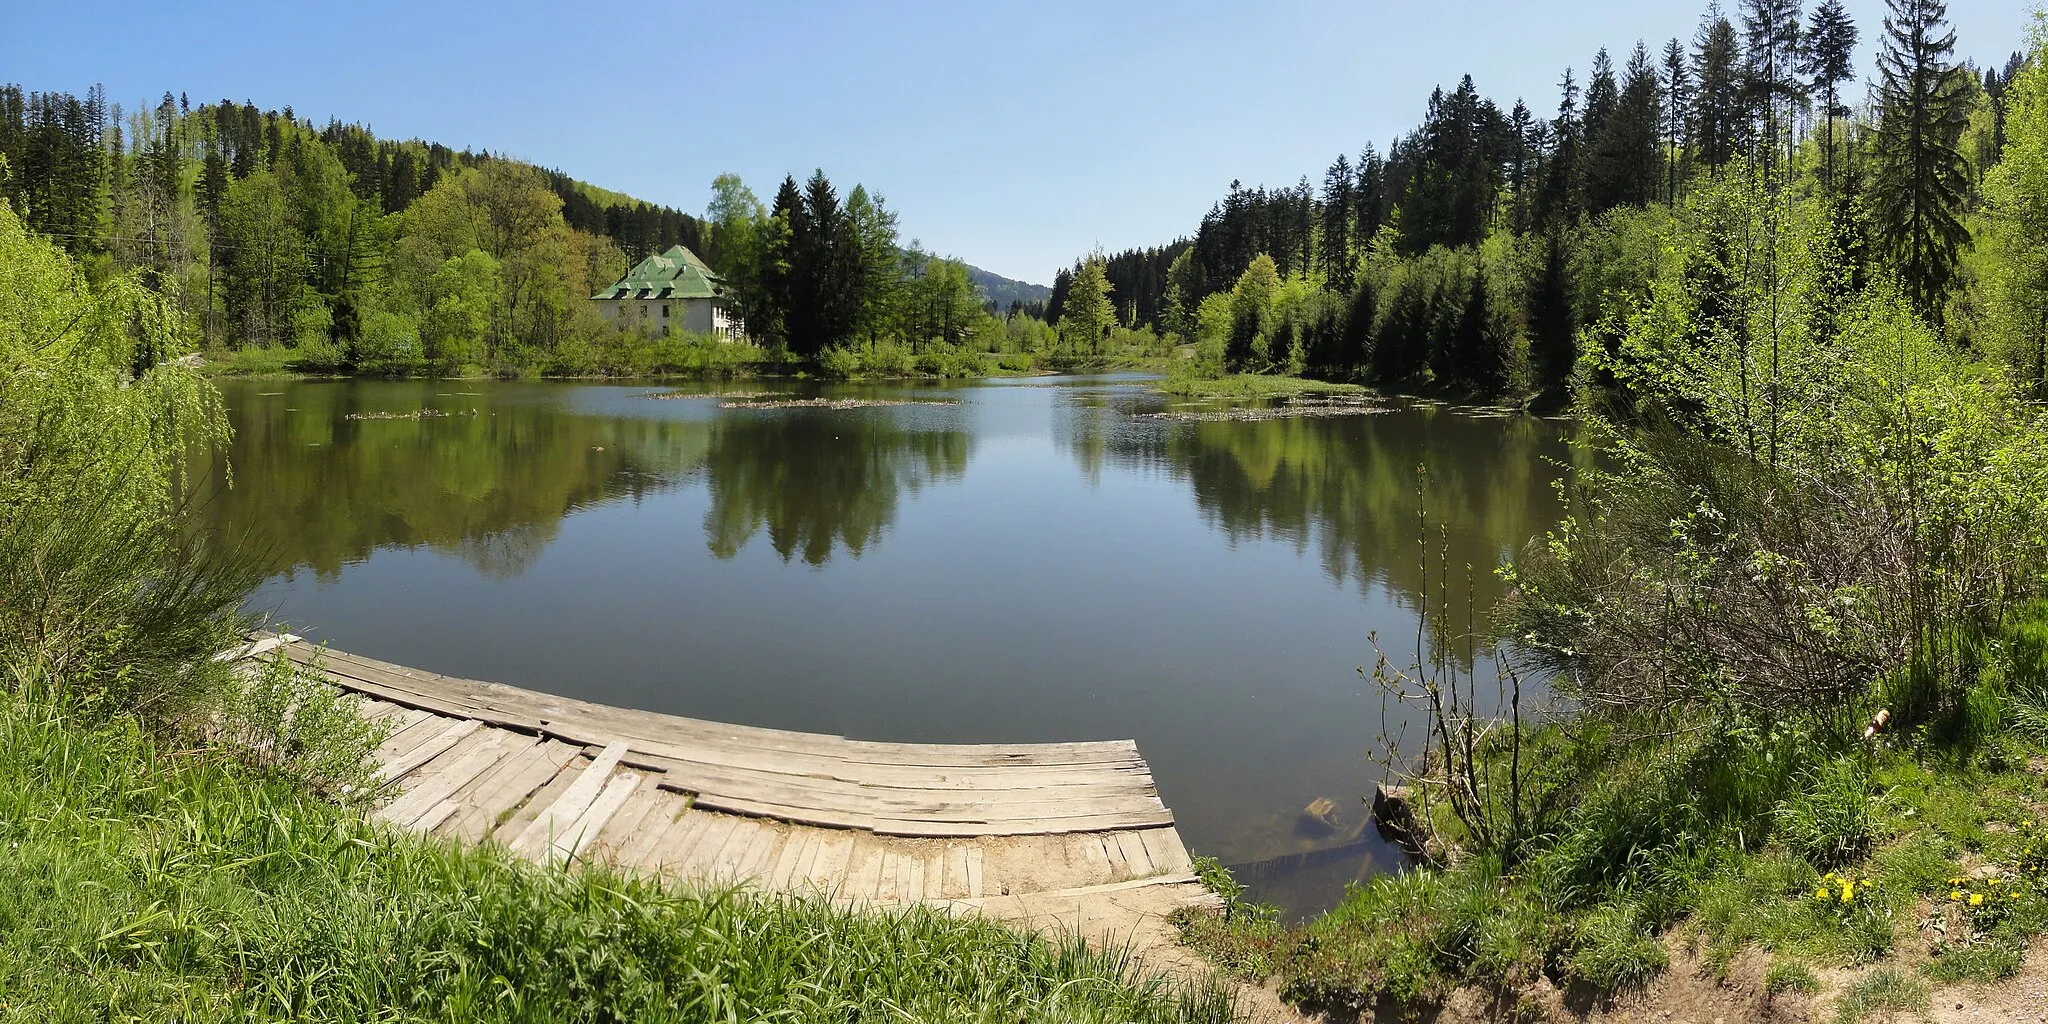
<point>1771,52</point>
<point>1920,180</point>
<point>1602,94</point>
<point>1334,255</point>
<point>780,316</point>
<point>1522,151</point>
<point>1717,92</point>
<point>1677,99</point>
<point>1622,161</point>
<point>1829,62</point>
<point>1557,200</point>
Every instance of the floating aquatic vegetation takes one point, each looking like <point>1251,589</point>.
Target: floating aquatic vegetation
<point>1299,408</point>
<point>416,414</point>
<point>668,396</point>
<point>831,403</point>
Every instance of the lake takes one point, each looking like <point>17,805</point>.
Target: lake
<point>1010,560</point>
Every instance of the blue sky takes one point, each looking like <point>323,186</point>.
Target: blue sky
<point>1013,135</point>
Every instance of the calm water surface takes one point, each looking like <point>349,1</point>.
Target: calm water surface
<point>1032,560</point>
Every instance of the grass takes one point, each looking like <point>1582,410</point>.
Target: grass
<point>140,882</point>
<point>1883,994</point>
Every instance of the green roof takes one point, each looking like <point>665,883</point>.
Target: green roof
<point>675,274</point>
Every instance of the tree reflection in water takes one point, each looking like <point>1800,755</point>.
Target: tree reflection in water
<point>815,480</point>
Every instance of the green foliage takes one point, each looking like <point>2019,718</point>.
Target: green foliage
<point>2017,193</point>
<point>289,721</point>
<point>1821,470</point>
<point>102,595</point>
<point>147,884</point>
<point>1087,315</point>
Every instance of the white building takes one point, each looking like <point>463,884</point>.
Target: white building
<point>674,290</point>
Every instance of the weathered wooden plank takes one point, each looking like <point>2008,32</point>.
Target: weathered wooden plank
<point>580,833</point>
<point>373,710</point>
<point>1167,854</point>
<point>1118,867</point>
<point>722,867</point>
<point>974,877</point>
<point>1136,860</point>
<point>624,825</point>
<point>954,886</point>
<point>407,731</point>
<point>700,860</point>
<point>667,854</point>
<point>890,876</point>
<point>527,767</point>
<point>399,767</point>
<point>1046,826</point>
<point>827,871</point>
<point>436,782</point>
<point>435,815</point>
<point>571,803</point>
<point>799,844</point>
<point>664,813</point>
<point>559,711</point>
<point>1087,850</point>
<point>865,869</point>
<point>760,857</point>
<point>512,826</point>
<point>256,648</point>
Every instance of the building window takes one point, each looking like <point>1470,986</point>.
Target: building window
<point>664,309</point>
<point>643,309</point>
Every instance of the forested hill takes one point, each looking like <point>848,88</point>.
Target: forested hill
<point>377,255</point>
<point>1003,290</point>
<point>1477,246</point>
<point>58,149</point>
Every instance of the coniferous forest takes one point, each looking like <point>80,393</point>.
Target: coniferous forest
<point>1485,250</point>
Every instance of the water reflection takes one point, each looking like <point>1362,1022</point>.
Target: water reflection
<point>816,480</point>
<point>1363,491</point>
<point>326,473</point>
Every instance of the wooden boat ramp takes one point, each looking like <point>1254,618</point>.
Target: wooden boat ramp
<point>1066,834</point>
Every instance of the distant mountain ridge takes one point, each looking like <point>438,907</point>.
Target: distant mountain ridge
<point>1005,290</point>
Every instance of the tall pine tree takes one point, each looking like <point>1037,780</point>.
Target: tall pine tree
<point>1334,238</point>
<point>1716,129</point>
<point>1920,181</point>
<point>1829,61</point>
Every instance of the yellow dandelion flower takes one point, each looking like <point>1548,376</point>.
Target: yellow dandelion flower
<point>1955,894</point>
<point>1976,899</point>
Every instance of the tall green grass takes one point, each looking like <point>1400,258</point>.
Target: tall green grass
<point>145,883</point>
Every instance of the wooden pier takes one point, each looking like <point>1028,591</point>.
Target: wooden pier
<point>1071,835</point>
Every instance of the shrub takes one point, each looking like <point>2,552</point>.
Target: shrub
<point>288,720</point>
<point>103,595</point>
